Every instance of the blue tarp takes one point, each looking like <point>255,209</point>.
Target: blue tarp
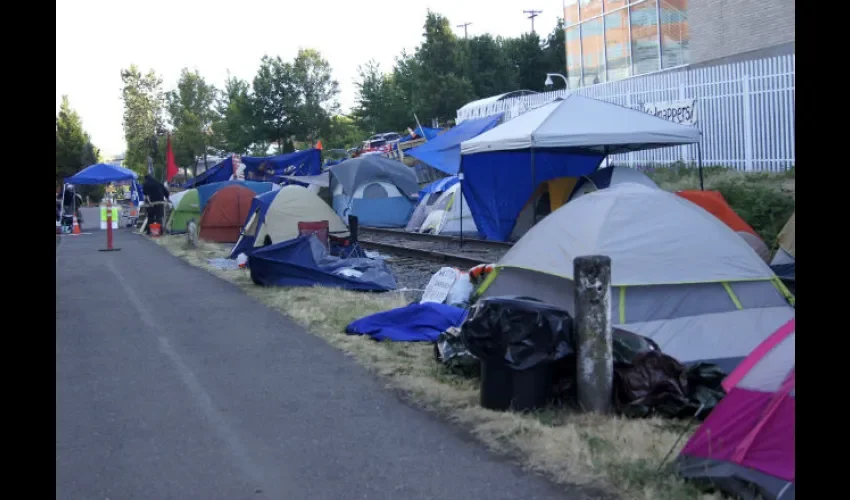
<point>261,202</point>
<point>438,186</point>
<point>413,323</point>
<point>443,152</point>
<point>303,261</point>
<point>498,185</point>
<point>207,191</point>
<point>426,132</point>
<point>101,174</point>
<point>264,168</point>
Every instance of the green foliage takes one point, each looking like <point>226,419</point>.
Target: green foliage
<point>144,107</point>
<point>72,142</point>
<point>235,130</point>
<point>190,107</point>
<point>343,133</point>
<point>765,208</point>
<point>317,94</point>
<point>275,101</point>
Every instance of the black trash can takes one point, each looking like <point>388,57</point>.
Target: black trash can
<point>516,339</point>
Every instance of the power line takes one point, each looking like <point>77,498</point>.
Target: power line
<point>464,25</point>
<point>531,15</point>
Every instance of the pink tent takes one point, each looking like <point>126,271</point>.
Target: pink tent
<point>746,445</point>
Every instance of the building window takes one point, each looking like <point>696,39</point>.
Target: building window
<point>570,12</point>
<point>618,62</point>
<point>593,51</point>
<point>615,4</point>
<point>589,8</point>
<point>674,32</point>
<point>573,43</point>
<point>645,44</point>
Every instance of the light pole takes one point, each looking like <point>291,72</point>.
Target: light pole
<point>549,82</point>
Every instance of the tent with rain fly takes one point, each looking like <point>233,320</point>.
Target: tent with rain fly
<point>274,217</point>
<point>207,191</point>
<point>449,216</point>
<point>263,168</point>
<point>186,207</point>
<point>443,152</point>
<point>787,239</point>
<point>426,199</point>
<point>746,446</point>
<point>224,214</point>
<point>679,275</point>
<point>554,144</point>
<point>714,203</point>
<point>377,190</point>
<point>610,176</point>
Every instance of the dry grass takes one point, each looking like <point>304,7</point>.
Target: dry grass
<point>605,454</point>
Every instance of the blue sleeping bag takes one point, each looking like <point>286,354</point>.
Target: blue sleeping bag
<point>413,323</point>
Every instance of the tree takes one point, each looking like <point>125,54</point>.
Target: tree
<point>190,107</point>
<point>235,130</point>
<point>343,133</point>
<point>555,51</point>
<point>376,98</point>
<point>71,142</point>
<point>318,91</point>
<point>144,104</point>
<point>275,102</point>
<point>526,55</point>
<point>491,71</point>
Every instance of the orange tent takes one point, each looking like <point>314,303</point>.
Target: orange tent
<point>225,213</point>
<point>714,203</point>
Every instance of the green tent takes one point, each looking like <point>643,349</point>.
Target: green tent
<point>186,207</point>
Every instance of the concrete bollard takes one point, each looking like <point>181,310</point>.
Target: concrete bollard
<point>595,360</point>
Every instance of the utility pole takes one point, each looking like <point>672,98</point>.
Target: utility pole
<point>464,25</point>
<point>531,15</point>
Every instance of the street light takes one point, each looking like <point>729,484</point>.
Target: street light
<point>549,82</point>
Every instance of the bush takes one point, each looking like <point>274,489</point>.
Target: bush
<point>764,207</point>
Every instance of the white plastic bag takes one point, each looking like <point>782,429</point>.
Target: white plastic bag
<point>242,260</point>
<point>460,291</point>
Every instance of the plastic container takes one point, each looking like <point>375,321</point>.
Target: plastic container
<point>156,230</point>
<point>521,390</point>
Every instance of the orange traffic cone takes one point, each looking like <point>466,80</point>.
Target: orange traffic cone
<point>76,229</point>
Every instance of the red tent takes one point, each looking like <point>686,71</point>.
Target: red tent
<point>225,213</point>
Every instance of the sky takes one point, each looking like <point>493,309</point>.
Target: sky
<point>96,39</point>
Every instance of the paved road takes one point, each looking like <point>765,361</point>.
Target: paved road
<point>173,384</point>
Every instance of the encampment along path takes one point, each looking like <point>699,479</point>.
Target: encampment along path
<point>172,383</point>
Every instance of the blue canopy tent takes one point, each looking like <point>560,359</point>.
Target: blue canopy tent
<point>502,169</point>
<point>264,168</point>
<point>207,191</point>
<point>102,174</point>
<point>443,151</point>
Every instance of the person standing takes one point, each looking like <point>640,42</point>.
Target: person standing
<point>155,195</point>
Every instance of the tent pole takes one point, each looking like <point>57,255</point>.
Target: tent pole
<point>460,181</point>
<point>699,165</point>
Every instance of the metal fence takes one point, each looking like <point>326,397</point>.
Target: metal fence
<point>744,109</point>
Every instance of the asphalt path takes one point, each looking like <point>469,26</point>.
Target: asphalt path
<point>173,384</point>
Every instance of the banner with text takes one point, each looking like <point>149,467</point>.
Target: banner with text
<point>682,112</point>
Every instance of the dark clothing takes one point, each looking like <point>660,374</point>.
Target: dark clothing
<point>154,190</point>
<point>155,214</point>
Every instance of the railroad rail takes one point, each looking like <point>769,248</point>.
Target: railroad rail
<point>433,247</point>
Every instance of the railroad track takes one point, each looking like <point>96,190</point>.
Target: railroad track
<point>432,247</point>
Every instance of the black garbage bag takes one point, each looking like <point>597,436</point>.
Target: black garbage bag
<point>518,341</point>
<point>450,351</point>
<point>517,332</point>
<point>653,383</point>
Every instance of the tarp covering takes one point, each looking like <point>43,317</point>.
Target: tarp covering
<point>426,132</point>
<point>498,185</point>
<point>443,151</point>
<point>583,124</point>
<point>304,261</point>
<point>321,180</point>
<point>352,173</point>
<point>207,191</point>
<point>439,186</point>
<point>101,174</point>
<point>413,323</point>
<point>264,168</point>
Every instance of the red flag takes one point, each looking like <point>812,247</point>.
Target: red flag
<point>170,164</point>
